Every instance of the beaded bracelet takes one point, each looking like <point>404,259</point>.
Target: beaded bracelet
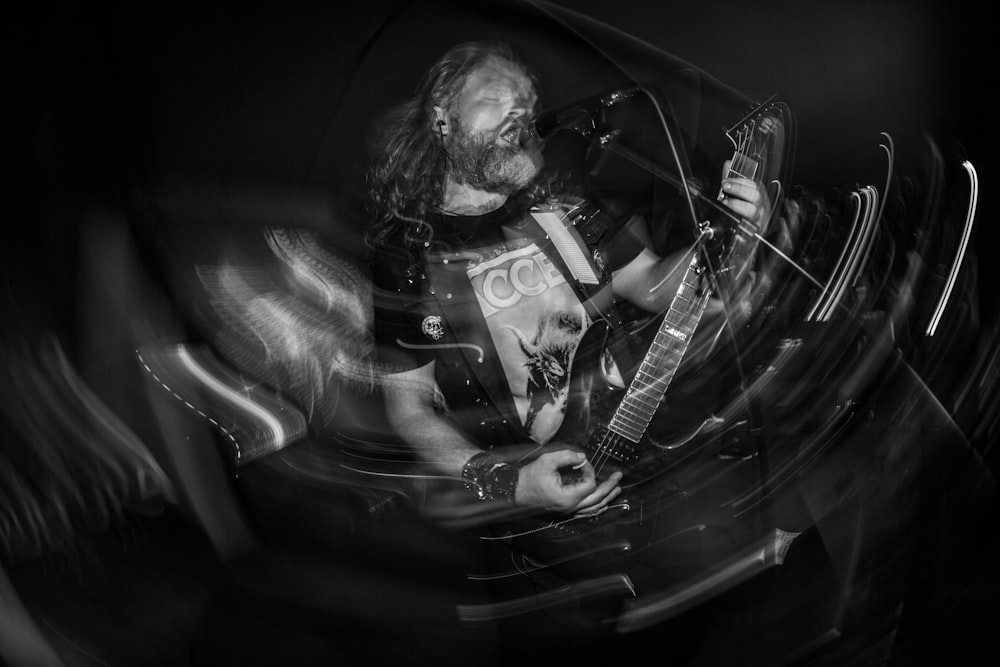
<point>490,478</point>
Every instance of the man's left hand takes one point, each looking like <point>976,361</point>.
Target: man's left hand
<point>746,198</point>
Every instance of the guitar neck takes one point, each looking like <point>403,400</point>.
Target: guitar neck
<point>660,363</point>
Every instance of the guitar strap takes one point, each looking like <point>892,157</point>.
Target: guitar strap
<point>570,242</point>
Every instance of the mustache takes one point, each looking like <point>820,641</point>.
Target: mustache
<point>527,133</point>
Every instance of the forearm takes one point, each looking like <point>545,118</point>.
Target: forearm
<point>435,441</point>
<point>410,406</point>
<point>445,449</point>
<point>651,282</point>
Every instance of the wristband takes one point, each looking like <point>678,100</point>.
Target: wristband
<point>490,478</point>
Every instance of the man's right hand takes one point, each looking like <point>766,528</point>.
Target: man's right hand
<point>544,483</point>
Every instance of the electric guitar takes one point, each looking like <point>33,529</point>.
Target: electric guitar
<point>609,420</point>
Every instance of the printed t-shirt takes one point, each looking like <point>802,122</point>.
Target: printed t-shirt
<point>493,309</point>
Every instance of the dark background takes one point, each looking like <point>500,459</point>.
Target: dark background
<point>223,116</point>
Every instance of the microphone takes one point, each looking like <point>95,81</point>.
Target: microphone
<point>579,116</point>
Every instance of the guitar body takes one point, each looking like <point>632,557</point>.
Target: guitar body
<point>654,507</point>
<point>593,394</point>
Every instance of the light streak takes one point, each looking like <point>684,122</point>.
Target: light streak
<point>970,217</point>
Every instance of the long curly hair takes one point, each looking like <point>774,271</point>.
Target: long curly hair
<point>409,161</point>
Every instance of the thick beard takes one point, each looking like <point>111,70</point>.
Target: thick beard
<point>478,161</point>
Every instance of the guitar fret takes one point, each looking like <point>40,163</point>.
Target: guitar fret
<point>640,409</point>
<point>667,342</point>
<point>628,434</point>
<point>634,416</point>
<point>632,432</point>
<point>650,395</point>
<point>678,317</point>
<point>652,377</point>
<point>644,395</point>
<point>668,336</point>
<point>622,423</point>
<point>657,386</point>
<point>655,366</point>
<point>651,370</point>
<point>662,351</point>
<point>673,328</point>
<point>639,413</point>
<point>672,337</point>
<point>626,423</point>
<point>652,373</point>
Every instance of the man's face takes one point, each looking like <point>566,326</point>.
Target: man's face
<point>491,117</point>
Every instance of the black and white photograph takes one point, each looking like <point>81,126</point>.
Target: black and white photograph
<point>500,333</point>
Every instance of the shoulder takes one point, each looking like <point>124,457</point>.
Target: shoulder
<point>392,261</point>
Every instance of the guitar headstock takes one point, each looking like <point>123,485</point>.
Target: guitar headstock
<point>755,113</point>
<point>760,145</point>
<point>758,139</point>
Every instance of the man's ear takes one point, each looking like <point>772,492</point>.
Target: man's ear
<point>441,123</point>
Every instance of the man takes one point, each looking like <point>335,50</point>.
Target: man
<point>476,319</point>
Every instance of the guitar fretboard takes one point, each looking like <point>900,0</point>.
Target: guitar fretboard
<point>657,368</point>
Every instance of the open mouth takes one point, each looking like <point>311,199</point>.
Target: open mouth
<point>513,135</point>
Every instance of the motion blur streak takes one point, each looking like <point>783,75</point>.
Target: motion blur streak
<point>277,433</point>
<point>304,335</point>
<point>963,246</point>
<point>609,584</point>
<point>853,255</point>
<point>652,609</point>
<point>69,467</point>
